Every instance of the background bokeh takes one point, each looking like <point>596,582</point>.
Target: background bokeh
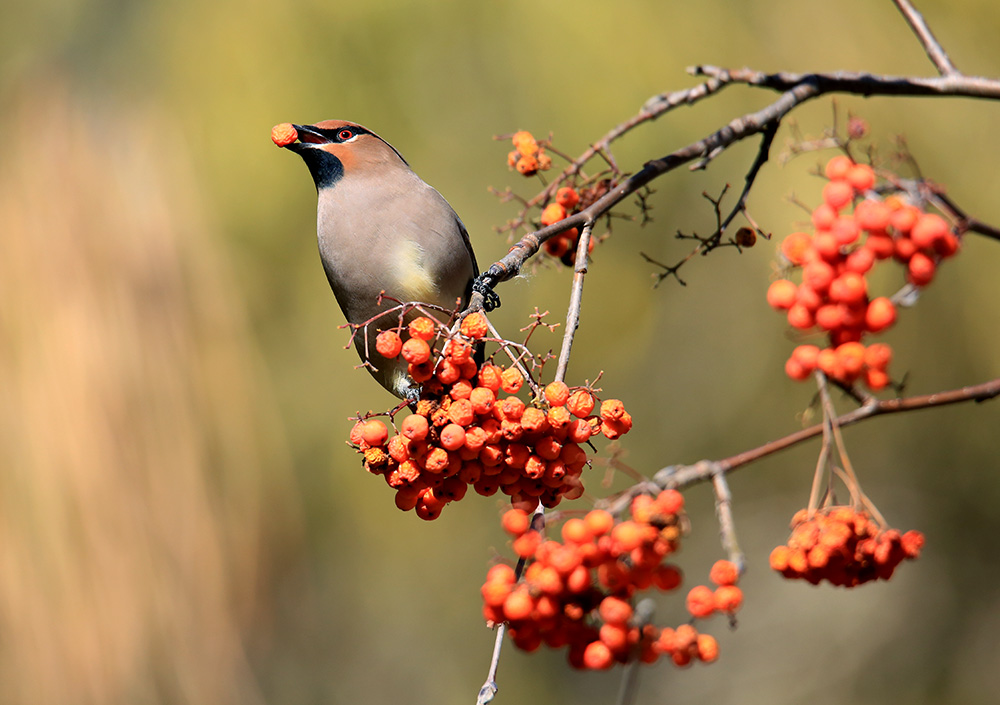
<point>180,519</point>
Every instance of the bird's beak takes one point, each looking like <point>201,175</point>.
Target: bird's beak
<point>307,136</point>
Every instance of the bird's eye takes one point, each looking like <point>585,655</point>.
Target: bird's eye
<point>345,135</point>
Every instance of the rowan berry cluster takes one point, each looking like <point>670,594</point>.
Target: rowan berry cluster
<point>529,156</point>
<point>833,295</point>
<point>465,432</point>
<point>580,592</point>
<point>563,245</point>
<point>844,547</point>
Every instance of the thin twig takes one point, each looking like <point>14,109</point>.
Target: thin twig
<point>680,476</point>
<point>727,524</point>
<point>575,300</point>
<point>935,51</point>
<point>796,89</point>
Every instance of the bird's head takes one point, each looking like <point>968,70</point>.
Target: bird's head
<point>333,148</point>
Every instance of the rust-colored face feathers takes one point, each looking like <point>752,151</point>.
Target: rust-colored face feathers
<point>333,148</point>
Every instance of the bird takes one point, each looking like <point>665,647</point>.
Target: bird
<point>381,228</point>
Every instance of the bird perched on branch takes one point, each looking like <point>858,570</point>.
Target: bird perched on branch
<point>380,228</point>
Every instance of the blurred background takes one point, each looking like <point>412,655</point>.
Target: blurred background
<point>180,518</point>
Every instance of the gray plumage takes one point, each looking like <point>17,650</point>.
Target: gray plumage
<point>381,228</point>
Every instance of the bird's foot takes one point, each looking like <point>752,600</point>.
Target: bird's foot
<point>482,286</point>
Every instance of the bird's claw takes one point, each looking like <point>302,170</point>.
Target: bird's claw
<point>481,285</point>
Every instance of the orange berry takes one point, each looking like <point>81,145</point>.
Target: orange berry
<point>872,215</point>
<point>527,543</point>
<point>422,328</point>
<point>881,244</point>
<point>800,317</point>
<point>781,294</point>
<point>826,246</point>
<point>851,358</point>
<point>552,213</point>
<point>283,134</point>
<point>876,379</point>
<point>861,177</point>
<point>556,393</point>
<point>707,648</point>
<point>878,356</point>
<point>388,344</point>
<point>575,530</point>
<point>490,377</point>
<point>724,573</point>
<point>904,218</point>
<point>558,417</point>
<point>779,558</point>
<point>845,230</point>
<point>374,432</point>
<point>597,656</point>
<point>700,601</point>
<point>806,356</point>
<point>838,167</point>
<point>929,228</point>
<point>829,317</point>
<point>861,260</point>
<point>461,413</point>
<point>415,427</point>
<point>524,142</point>
<point>823,216</point>
<point>921,269</point>
<point>448,372</point>
<point>567,197</point>
<point>614,610</point>
<point>837,194</point>
<point>849,288</point>
<point>881,314</point>
<point>580,403</point>
<point>629,535</point>
<point>795,246</point>
<point>452,437</point>
<point>474,325</point>
<point>818,275</point>
<point>416,351</point>
<point>518,604</point>
<point>511,380</point>
<point>527,165</point>
<point>796,370</point>
<point>615,636</point>
<point>512,408</point>
<point>482,399</point>
<point>612,409</point>
<point>667,577</point>
<point>728,598</point>
<point>599,522</point>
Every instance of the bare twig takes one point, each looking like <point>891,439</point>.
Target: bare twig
<point>679,476</point>
<point>727,525</point>
<point>934,50</point>
<point>575,300</point>
<point>796,89</point>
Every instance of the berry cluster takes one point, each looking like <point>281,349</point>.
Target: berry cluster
<point>563,245</point>
<point>844,547</point>
<point>463,432</point>
<point>579,592</point>
<point>833,294</point>
<point>528,156</point>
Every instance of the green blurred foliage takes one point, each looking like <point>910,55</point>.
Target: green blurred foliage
<point>328,593</point>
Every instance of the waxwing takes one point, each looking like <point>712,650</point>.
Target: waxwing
<point>381,228</point>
